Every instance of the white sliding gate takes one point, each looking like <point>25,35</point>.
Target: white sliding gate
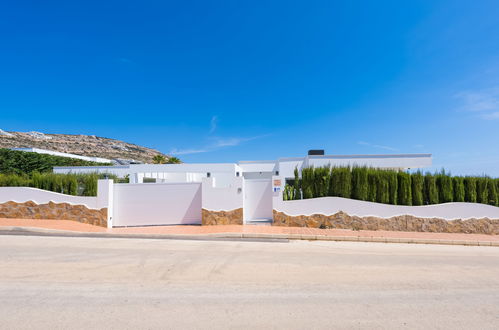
<point>147,204</point>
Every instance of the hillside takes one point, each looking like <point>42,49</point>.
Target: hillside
<point>85,145</point>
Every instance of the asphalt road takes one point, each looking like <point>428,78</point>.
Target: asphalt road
<point>85,283</point>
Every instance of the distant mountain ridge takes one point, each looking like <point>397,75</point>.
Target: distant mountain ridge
<point>85,145</point>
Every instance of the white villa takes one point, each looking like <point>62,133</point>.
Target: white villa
<point>247,192</point>
<point>183,190</point>
<point>222,173</point>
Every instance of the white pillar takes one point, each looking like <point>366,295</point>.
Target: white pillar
<point>105,198</point>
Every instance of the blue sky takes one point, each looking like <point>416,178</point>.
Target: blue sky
<point>221,81</point>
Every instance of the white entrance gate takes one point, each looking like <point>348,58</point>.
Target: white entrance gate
<point>146,204</point>
<point>257,199</point>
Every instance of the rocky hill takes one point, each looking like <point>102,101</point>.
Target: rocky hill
<point>85,145</point>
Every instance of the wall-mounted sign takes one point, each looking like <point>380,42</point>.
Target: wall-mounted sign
<point>276,186</point>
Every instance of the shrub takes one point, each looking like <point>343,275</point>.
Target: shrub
<point>289,193</point>
<point>70,184</point>
<point>90,184</point>
<point>13,180</point>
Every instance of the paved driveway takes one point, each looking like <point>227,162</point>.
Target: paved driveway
<point>82,283</point>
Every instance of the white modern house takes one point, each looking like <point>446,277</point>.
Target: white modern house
<point>247,192</point>
<point>251,187</point>
<point>222,173</point>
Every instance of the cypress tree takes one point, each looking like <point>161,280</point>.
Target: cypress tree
<point>431,189</point>
<point>297,184</point>
<point>71,185</point>
<point>482,191</point>
<point>417,187</point>
<point>341,182</point>
<point>470,194</point>
<point>372,185</point>
<point>392,178</point>
<point>383,187</point>
<point>404,190</point>
<point>307,182</point>
<point>458,185</point>
<point>492,192</point>
<point>359,183</point>
<point>90,185</point>
<point>445,191</point>
<point>321,181</point>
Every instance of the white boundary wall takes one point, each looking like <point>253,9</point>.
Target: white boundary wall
<point>332,205</point>
<point>145,204</point>
<point>104,197</point>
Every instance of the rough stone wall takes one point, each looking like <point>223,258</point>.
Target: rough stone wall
<point>342,220</point>
<point>54,211</point>
<point>234,217</point>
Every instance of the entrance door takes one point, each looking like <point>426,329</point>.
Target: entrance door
<point>257,199</point>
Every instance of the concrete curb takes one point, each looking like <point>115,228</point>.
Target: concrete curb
<point>33,231</point>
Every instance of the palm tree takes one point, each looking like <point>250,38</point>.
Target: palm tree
<point>159,159</point>
<point>174,160</point>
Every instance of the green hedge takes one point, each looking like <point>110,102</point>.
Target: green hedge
<point>392,187</point>
<point>70,184</point>
<point>22,162</point>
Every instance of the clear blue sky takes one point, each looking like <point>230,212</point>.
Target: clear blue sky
<point>221,81</point>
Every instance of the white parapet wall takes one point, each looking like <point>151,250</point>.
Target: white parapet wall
<point>332,205</point>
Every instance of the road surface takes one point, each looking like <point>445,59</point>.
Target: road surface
<point>84,283</point>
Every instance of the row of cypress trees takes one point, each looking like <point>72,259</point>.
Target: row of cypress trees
<point>69,184</point>
<point>391,187</point>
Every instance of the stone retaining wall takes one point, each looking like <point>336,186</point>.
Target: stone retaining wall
<point>342,220</point>
<point>234,217</point>
<point>54,211</point>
